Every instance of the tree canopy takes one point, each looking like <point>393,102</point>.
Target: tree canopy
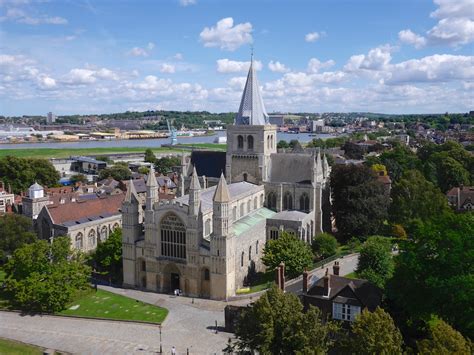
<point>107,258</point>
<point>443,339</point>
<point>117,172</point>
<point>15,231</point>
<point>376,261</point>
<point>434,273</point>
<point>276,324</point>
<point>375,333</point>
<point>295,253</point>
<point>150,156</point>
<point>21,173</point>
<point>324,245</point>
<point>165,164</point>
<point>360,202</point>
<point>43,277</point>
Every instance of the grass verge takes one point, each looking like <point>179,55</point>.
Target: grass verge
<point>103,304</point>
<point>12,347</point>
<point>262,282</point>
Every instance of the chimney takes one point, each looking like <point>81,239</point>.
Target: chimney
<point>282,276</point>
<point>336,268</point>
<point>277,277</point>
<point>326,284</point>
<point>305,281</point>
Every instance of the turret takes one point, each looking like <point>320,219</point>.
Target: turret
<point>194,194</point>
<point>131,215</point>
<point>318,174</point>
<point>221,202</point>
<point>326,168</point>
<point>151,190</point>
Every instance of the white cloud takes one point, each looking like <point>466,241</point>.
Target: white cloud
<point>277,67</point>
<point>409,37</point>
<point>178,56</point>
<point>232,66</point>
<point>85,76</point>
<point>314,36</point>
<point>19,15</point>
<point>185,3</point>
<point>237,83</point>
<point>141,52</point>
<point>376,59</point>
<point>227,36</point>
<point>167,68</point>
<point>314,65</point>
<point>455,26</point>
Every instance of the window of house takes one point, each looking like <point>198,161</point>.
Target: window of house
<point>287,201</point>
<point>344,311</point>
<point>173,237</point>
<point>240,142</point>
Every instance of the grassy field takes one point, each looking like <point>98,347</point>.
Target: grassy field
<point>65,153</point>
<point>103,304</point>
<point>11,347</point>
<point>213,146</point>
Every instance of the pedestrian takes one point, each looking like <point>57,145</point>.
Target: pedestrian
<point>173,350</point>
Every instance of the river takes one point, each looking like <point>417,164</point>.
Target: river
<point>151,143</point>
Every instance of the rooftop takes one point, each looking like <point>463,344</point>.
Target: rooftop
<point>290,215</point>
<point>253,218</point>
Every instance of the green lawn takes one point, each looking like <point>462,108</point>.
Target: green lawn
<point>11,347</point>
<point>103,304</point>
<point>213,146</point>
<point>65,152</point>
<point>352,275</point>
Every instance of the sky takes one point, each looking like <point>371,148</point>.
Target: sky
<point>104,56</point>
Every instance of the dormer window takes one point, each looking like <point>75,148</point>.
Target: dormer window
<point>342,311</point>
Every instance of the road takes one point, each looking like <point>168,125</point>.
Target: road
<point>347,265</point>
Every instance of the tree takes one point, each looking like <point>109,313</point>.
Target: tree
<point>434,272</point>
<point>117,172</point>
<point>359,201</point>
<point>21,173</point>
<point>107,258</point>
<point>295,253</point>
<point>293,143</point>
<point>450,173</point>
<point>443,339</point>
<point>42,277</point>
<point>78,178</point>
<point>150,156</point>
<point>375,333</point>
<point>165,164</point>
<point>324,245</point>
<point>398,160</point>
<point>414,197</point>
<point>376,261</point>
<point>15,231</point>
<point>276,324</point>
<point>282,144</point>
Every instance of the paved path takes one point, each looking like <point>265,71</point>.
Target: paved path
<point>188,326</point>
<point>347,265</point>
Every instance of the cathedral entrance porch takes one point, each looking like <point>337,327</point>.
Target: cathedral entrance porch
<point>174,281</point>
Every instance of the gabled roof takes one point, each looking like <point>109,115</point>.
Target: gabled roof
<point>252,110</point>
<point>85,211</point>
<point>365,292</point>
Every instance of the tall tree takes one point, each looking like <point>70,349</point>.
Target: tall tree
<point>15,231</point>
<point>150,156</point>
<point>443,339</point>
<point>375,333</point>
<point>43,277</point>
<point>359,201</point>
<point>414,197</point>
<point>376,261</point>
<point>276,324</point>
<point>398,160</point>
<point>434,272</point>
<point>324,245</point>
<point>21,173</point>
<point>295,253</point>
<point>107,258</point>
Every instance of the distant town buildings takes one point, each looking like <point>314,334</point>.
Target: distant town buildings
<point>50,118</point>
<point>461,198</point>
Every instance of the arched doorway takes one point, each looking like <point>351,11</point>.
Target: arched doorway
<point>172,278</point>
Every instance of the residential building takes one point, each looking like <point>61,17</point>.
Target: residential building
<point>7,199</point>
<point>461,198</point>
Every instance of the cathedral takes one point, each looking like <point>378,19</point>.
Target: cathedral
<point>210,239</point>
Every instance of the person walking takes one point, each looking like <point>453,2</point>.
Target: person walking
<point>173,351</point>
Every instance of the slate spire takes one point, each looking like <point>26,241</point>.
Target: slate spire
<point>222,191</point>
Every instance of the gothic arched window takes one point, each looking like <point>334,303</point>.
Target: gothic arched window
<point>242,209</point>
<point>250,142</point>
<point>250,252</point>
<point>255,203</point>
<point>79,240</point>
<point>207,227</point>
<point>103,233</point>
<point>271,201</point>
<point>173,237</point>
<point>249,205</point>
<point>91,238</point>
<point>240,142</point>
<point>287,201</point>
<point>242,259</point>
<point>304,203</point>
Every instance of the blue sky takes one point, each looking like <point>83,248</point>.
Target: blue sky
<point>316,56</point>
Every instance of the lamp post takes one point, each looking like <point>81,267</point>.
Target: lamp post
<point>161,348</point>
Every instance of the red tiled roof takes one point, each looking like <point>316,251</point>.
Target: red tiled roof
<point>75,211</point>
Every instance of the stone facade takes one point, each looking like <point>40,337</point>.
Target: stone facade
<point>210,240</point>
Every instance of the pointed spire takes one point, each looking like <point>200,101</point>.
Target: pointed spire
<point>151,181</point>
<point>319,165</point>
<point>131,192</point>
<point>195,181</point>
<point>252,110</point>
<point>222,191</point>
